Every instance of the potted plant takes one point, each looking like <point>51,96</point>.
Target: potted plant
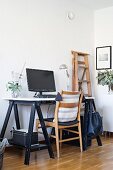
<point>14,87</point>
<point>106,78</point>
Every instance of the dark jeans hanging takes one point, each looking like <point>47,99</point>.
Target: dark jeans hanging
<point>89,108</point>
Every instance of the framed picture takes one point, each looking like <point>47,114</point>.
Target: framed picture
<point>103,57</point>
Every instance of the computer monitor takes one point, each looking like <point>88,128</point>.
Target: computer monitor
<point>40,80</point>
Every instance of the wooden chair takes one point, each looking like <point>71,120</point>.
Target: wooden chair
<point>66,116</point>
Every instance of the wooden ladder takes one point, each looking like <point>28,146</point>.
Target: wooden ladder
<point>80,73</point>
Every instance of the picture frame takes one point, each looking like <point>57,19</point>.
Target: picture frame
<point>103,57</point>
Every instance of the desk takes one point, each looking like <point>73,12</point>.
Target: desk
<point>35,106</point>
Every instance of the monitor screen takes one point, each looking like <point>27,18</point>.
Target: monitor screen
<point>40,80</point>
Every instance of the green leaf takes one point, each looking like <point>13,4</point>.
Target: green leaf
<point>13,86</point>
<point>105,78</point>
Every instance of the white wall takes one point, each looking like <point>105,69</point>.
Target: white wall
<point>104,37</point>
<point>39,32</point>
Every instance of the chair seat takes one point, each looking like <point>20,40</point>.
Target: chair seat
<point>63,123</point>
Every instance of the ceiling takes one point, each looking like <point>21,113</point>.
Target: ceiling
<point>95,4</point>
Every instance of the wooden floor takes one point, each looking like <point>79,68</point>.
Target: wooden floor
<point>95,158</point>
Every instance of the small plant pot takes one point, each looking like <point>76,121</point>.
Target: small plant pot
<point>15,94</point>
<point>110,89</point>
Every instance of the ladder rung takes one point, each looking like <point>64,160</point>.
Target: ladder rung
<point>80,81</point>
<point>87,95</point>
<point>79,53</point>
<point>81,62</point>
<point>82,66</point>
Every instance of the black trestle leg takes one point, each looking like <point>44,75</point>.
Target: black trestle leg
<point>30,132</point>
<point>47,140</point>
<point>16,116</point>
<point>11,103</point>
<point>99,140</point>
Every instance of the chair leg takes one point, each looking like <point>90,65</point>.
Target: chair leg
<point>57,142</point>
<point>80,137</point>
<point>60,138</point>
<point>37,124</point>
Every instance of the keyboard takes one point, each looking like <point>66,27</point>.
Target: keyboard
<point>46,96</point>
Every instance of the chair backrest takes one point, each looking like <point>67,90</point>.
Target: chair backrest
<point>69,108</point>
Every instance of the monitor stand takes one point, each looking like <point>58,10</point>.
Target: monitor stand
<point>38,94</point>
